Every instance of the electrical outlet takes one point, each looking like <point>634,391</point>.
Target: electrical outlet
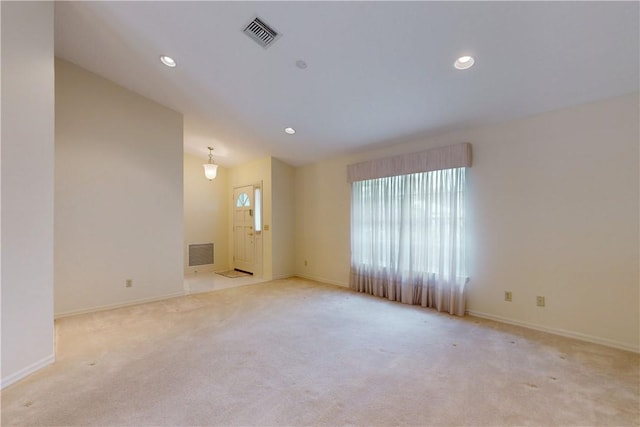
<point>128,283</point>
<point>508,296</point>
<point>540,301</point>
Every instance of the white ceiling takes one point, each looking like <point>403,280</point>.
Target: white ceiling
<point>378,72</point>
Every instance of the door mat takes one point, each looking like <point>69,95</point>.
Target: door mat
<point>233,273</point>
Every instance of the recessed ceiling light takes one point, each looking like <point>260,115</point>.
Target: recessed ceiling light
<point>168,61</point>
<point>290,131</point>
<point>464,62</point>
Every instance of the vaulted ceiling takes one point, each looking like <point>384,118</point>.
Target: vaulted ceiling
<point>377,72</point>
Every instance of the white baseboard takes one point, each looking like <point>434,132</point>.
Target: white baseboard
<point>24,372</point>
<point>117,305</point>
<point>558,331</point>
<point>323,280</point>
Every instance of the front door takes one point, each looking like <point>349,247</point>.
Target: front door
<point>243,232</point>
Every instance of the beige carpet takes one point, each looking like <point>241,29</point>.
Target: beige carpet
<point>295,352</point>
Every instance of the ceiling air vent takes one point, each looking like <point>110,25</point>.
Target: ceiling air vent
<point>263,34</point>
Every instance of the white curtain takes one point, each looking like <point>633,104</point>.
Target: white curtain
<point>408,239</point>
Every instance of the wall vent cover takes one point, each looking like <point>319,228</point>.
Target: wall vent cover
<point>260,32</point>
<point>201,254</point>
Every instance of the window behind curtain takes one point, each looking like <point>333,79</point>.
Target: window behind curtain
<point>407,238</point>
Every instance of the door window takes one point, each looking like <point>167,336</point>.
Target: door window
<point>243,201</point>
<point>257,218</point>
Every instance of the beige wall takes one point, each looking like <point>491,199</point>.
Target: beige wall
<point>27,188</point>
<point>283,230</point>
<point>322,226</point>
<point>206,213</point>
<point>553,211</point>
<point>118,194</point>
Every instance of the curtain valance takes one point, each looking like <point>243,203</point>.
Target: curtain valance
<point>452,156</point>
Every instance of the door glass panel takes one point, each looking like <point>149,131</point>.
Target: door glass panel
<point>257,218</point>
<point>243,200</point>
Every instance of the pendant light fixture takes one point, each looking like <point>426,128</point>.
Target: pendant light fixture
<point>210,169</point>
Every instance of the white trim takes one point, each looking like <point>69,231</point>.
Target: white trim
<point>117,305</point>
<point>24,372</point>
<point>558,331</point>
<point>323,280</point>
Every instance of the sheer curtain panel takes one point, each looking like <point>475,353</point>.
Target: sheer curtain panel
<point>408,238</point>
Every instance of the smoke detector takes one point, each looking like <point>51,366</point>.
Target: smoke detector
<point>260,32</point>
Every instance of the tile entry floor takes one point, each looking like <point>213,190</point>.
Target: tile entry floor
<point>209,281</point>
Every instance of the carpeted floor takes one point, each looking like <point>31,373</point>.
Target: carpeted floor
<point>295,352</point>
